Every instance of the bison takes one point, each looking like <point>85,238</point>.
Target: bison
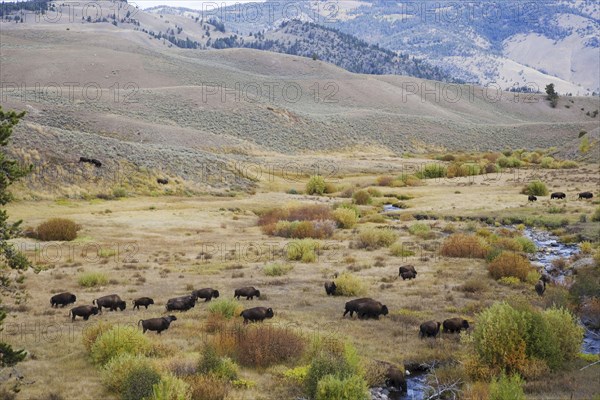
<point>407,268</point>
<point>330,288</point>
<point>207,294</point>
<point>90,161</point>
<point>394,376</point>
<point>249,292</point>
<point>371,310</point>
<point>83,311</point>
<point>63,299</point>
<point>540,287</point>
<point>408,275</point>
<point>352,305</point>
<point>531,198</point>
<point>96,163</point>
<point>558,195</point>
<point>256,314</point>
<point>585,195</point>
<point>157,324</point>
<point>142,301</point>
<point>453,325</point>
<point>162,181</point>
<point>111,301</point>
<point>182,303</point>
<point>429,329</point>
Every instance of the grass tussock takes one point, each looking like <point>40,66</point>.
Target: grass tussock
<point>277,269</point>
<point>345,218</point>
<point>57,229</point>
<point>373,238</point>
<point>225,308</point>
<point>92,279</point>
<point>464,246</point>
<point>304,250</point>
<point>349,285</point>
<point>117,341</point>
<point>510,264</point>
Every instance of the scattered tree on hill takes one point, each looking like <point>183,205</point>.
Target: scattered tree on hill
<point>552,95</point>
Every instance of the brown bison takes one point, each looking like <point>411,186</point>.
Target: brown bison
<point>162,181</point>
<point>407,268</point>
<point>249,292</point>
<point>207,294</point>
<point>352,305</point>
<point>371,310</point>
<point>558,195</point>
<point>394,376</point>
<point>453,325</point>
<point>531,198</point>
<point>142,301</point>
<point>157,324</point>
<point>408,275</point>
<point>330,288</point>
<point>540,287</point>
<point>83,311</point>
<point>256,314</point>
<point>62,299</point>
<point>182,303</point>
<point>585,195</point>
<point>429,329</point>
<point>111,302</point>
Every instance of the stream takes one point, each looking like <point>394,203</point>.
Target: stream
<point>549,249</point>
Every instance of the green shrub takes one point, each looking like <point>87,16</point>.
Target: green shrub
<point>526,244</point>
<point>565,336</point>
<point>119,192</point>
<point>510,264</point>
<point>361,197</point>
<point>400,250</point>
<point>277,269</point>
<point>350,388</point>
<point>464,246</point>
<point>546,162</point>
<point>349,285</point>
<point>227,308</point>
<point>139,383</point>
<point>208,387</point>
<point>374,192</point>
<point>341,365</point>
<point>221,367</point>
<point>509,162</point>
<point>116,371</point>
<point>296,375</point>
<point>431,171</point>
<point>57,229</point>
<point>91,333</point>
<point>507,388</point>
<point>119,340</point>
<point>304,250</point>
<point>536,188</point>
<point>345,218</point>
<point>315,185</point>
<point>171,388</point>
<point>373,238</point>
<point>420,229</point>
<point>92,279</point>
<point>509,281</point>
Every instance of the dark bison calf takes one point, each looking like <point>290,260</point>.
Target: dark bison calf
<point>162,181</point>
<point>256,314</point>
<point>408,275</point>
<point>453,325</point>
<point>207,294</point>
<point>352,305</point>
<point>182,303</point>
<point>112,302</point>
<point>62,299</point>
<point>531,198</point>
<point>83,311</point>
<point>248,292</point>
<point>540,287</point>
<point>585,195</point>
<point>142,301</point>
<point>429,329</point>
<point>157,324</point>
<point>558,195</point>
<point>330,288</point>
<point>371,310</point>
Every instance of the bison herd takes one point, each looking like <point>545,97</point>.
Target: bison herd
<point>562,196</point>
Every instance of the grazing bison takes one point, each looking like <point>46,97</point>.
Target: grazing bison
<point>249,292</point>
<point>96,163</point>
<point>407,268</point>
<point>256,314</point>
<point>162,181</point>
<point>111,301</point>
<point>330,288</point>
<point>207,294</point>
<point>157,324</point>
<point>540,287</point>
<point>558,195</point>
<point>142,301</point>
<point>585,195</point>
<point>429,329</point>
<point>85,159</point>
<point>453,325</point>
<point>63,299</point>
<point>371,310</point>
<point>352,305</point>
<point>83,311</point>
<point>90,161</point>
<point>182,303</point>
<point>531,198</point>
<point>408,275</point>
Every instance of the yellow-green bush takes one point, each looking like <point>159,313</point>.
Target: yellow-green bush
<point>353,387</point>
<point>536,188</point>
<point>341,365</point>
<point>526,244</point>
<point>171,388</point>
<point>373,238</point>
<point>345,218</point>
<point>349,285</point>
<point>296,375</point>
<point>139,384</point>
<point>315,185</point>
<point>57,229</point>
<point>464,246</point>
<point>509,281</point>
<point>420,229</point>
<point>431,171</point>
<point>116,371</point>
<point>509,264</point>
<point>507,387</point>
<point>208,387</point>
<point>398,249</point>
<point>91,332</point>
<point>227,308</point>
<point>361,197</point>
<point>304,250</point>
<point>119,340</point>
<point>277,269</point>
<point>91,279</point>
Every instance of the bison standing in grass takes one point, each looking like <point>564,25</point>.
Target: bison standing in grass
<point>585,195</point>
<point>62,299</point>
<point>142,301</point>
<point>182,303</point>
<point>111,302</point>
<point>353,306</point>
<point>429,329</point>
<point>256,314</point>
<point>249,292</point>
<point>531,198</point>
<point>371,310</point>
<point>207,294</point>
<point>540,287</point>
<point>558,195</point>
<point>157,324</point>
<point>330,288</point>
<point>453,325</point>
<point>83,311</point>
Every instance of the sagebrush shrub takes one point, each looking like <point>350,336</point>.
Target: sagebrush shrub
<point>345,218</point>
<point>277,269</point>
<point>227,308</point>
<point>92,279</point>
<point>57,229</point>
<point>171,388</point>
<point>208,387</point>
<point>349,388</point>
<point>431,171</point>
<point>119,340</point>
<point>361,197</point>
<point>349,285</point>
<point>116,371</point>
<point>341,365</point>
<point>91,333</point>
<point>373,238</point>
<point>507,387</point>
<point>316,185</point>
<point>138,385</point>
<point>399,249</point>
<point>304,250</point>
<point>510,264</point>
<point>536,188</point>
<point>464,246</point>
